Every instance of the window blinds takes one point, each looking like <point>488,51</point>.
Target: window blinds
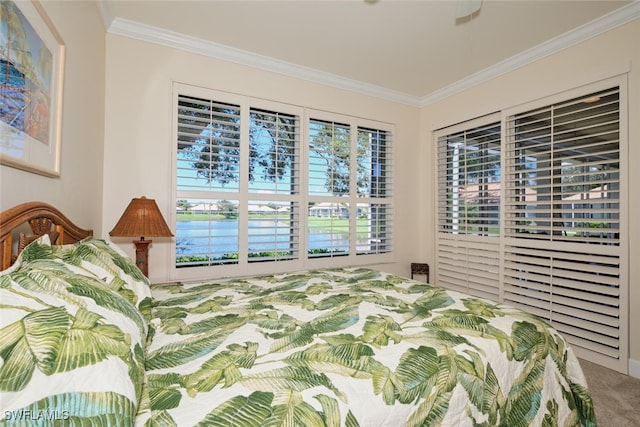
<point>273,231</point>
<point>469,203</point>
<point>206,233</point>
<point>562,214</point>
<point>564,171</point>
<point>238,183</point>
<point>274,152</point>
<point>208,145</point>
<point>349,188</point>
<point>374,222</point>
<point>469,181</point>
<point>248,182</point>
<point>535,217</point>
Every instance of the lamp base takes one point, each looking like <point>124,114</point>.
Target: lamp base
<point>142,255</point>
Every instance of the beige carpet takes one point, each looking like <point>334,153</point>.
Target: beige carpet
<point>616,396</point>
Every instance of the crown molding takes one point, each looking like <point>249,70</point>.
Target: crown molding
<point>139,31</point>
<point>175,40</point>
<point>605,23</point>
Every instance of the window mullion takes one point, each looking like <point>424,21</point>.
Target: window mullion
<point>353,190</point>
<point>243,194</point>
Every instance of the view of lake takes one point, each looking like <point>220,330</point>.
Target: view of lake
<point>263,233</point>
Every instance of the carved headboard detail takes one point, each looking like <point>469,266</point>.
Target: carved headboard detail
<point>42,219</point>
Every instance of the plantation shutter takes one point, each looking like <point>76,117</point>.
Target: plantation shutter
<point>374,230</point>
<point>274,152</point>
<point>208,145</point>
<point>374,212</point>
<point>273,227</point>
<point>329,229</point>
<point>256,194</point>
<point>329,158</point>
<point>207,164</point>
<point>237,181</point>
<point>273,230</point>
<point>349,187</point>
<point>469,185</point>
<point>547,233</point>
<point>563,258</point>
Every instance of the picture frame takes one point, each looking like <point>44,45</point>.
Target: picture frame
<point>32,59</point>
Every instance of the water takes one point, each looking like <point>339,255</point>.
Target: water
<point>262,235</point>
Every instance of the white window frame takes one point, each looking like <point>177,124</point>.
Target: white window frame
<point>353,199</point>
<point>463,262</point>
<point>243,267</point>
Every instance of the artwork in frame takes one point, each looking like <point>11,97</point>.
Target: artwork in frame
<point>31,79</point>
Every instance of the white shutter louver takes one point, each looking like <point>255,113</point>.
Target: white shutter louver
<point>564,171</point>
<point>208,145</point>
<point>374,231</point>
<point>562,255</point>
<point>469,186</point>
<point>273,231</point>
<point>560,251</point>
<point>247,187</point>
<point>329,158</point>
<point>469,264</point>
<point>274,152</point>
<point>328,225</point>
<point>207,240</point>
<point>469,181</point>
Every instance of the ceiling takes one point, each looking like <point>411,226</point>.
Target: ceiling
<point>412,49</point>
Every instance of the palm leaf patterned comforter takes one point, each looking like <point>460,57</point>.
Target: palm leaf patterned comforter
<point>73,332</point>
<point>353,347</point>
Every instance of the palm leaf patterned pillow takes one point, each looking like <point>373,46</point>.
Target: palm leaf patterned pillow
<point>72,348</point>
<point>100,258</point>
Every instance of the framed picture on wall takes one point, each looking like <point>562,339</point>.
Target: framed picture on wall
<point>31,82</point>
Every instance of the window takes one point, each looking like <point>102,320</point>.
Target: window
<point>534,216</point>
<point>349,171</point>
<point>563,219</point>
<point>224,215</point>
<point>469,203</point>
<point>566,171</point>
<point>469,165</point>
<point>374,172</point>
<point>248,181</point>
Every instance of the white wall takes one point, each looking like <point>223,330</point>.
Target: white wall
<point>139,145</point>
<point>605,56</point>
<point>78,189</point>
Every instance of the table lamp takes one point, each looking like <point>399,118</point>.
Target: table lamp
<point>141,218</point>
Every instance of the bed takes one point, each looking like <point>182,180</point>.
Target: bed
<point>85,340</point>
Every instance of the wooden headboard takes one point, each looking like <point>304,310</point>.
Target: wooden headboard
<point>41,219</point>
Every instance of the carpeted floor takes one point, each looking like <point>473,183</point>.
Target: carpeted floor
<point>616,397</point>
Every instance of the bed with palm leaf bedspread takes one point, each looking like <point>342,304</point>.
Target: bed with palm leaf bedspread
<point>85,341</point>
